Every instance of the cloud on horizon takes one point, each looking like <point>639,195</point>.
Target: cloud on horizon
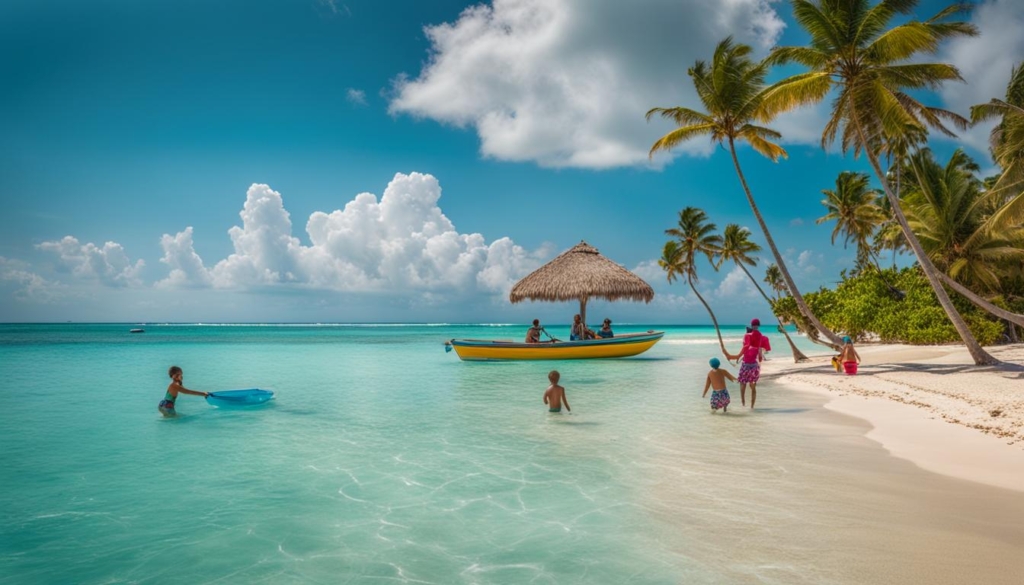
<point>108,264</point>
<point>401,244</point>
<point>399,247</point>
<point>565,83</point>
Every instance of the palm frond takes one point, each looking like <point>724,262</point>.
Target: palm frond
<point>765,148</point>
<point>804,88</point>
<point>901,43</point>
<point>918,75</point>
<point>680,135</point>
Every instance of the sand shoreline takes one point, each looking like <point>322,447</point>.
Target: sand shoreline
<point>928,405</point>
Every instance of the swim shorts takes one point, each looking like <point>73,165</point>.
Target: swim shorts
<point>166,407</point>
<point>719,399</point>
<point>750,373</point>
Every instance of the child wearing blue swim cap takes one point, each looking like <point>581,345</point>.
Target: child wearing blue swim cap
<point>716,382</point>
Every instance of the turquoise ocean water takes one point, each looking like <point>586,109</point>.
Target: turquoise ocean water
<point>385,459</point>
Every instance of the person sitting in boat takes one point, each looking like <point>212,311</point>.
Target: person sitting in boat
<point>533,333</point>
<point>579,330</point>
<point>606,330</point>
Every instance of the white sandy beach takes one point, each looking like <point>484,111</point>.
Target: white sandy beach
<point>929,405</point>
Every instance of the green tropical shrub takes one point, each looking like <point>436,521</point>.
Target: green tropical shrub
<point>865,307</point>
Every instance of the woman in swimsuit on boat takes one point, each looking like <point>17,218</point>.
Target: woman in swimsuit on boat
<point>166,406</point>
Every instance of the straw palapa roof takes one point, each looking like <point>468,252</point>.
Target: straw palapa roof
<point>581,273</point>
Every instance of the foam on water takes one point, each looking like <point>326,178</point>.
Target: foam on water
<point>384,458</point>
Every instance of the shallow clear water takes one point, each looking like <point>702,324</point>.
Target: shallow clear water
<point>384,458</point>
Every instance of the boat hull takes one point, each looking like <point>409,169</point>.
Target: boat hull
<point>619,346</point>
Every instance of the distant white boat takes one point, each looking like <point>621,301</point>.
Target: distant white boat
<point>136,331</point>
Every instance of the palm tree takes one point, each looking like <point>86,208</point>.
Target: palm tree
<point>852,206</point>
<point>694,235</point>
<point>1007,138</point>
<point>739,248</point>
<point>853,50</point>
<point>963,229</point>
<point>730,90</point>
<point>773,278</point>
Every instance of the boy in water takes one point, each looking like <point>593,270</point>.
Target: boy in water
<point>166,406</point>
<point>716,381</point>
<point>554,396</point>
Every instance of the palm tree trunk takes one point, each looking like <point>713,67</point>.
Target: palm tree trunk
<point>798,356</point>
<point>899,172</point>
<point>981,302</point>
<point>793,291</point>
<point>689,280</point>
<point>980,356</point>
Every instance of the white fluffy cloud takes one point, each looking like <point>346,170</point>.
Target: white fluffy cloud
<point>108,264</point>
<point>403,242</point>
<point>187,268</point>
<point>565,83</point>
<point>736,285</point>
<point>985,62</point>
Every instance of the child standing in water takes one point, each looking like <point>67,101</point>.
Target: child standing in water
<point>554,396</point>
<point>716,382</point>
<point>167,404</point>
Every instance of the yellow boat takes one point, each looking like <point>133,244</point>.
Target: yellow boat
<point>619,346</point>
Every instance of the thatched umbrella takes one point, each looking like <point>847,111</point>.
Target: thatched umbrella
<point>581,273</point>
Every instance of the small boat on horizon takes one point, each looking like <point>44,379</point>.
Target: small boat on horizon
<point>136,331</point>
<point>626,345</point>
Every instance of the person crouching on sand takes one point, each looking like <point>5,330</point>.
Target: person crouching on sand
<point>849,357</point>
<point>554,396</point>
<point>716,382</point>
<point>166,406</point>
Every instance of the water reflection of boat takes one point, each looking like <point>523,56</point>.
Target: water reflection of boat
<point>136,331</point>
<point>619,346</point>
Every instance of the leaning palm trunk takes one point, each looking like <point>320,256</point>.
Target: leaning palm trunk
<point>689,280</point>
<point>980,356</point>
<point>798,356</point>
<point>981,302</point>
<point>800,302</point>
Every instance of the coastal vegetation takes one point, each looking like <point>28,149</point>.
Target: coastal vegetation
<point>965,233</point>
<point>861,306</point>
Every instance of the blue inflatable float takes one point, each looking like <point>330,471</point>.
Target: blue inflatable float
<point>229,398</point>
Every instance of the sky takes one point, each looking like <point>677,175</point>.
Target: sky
<point>400,161</point>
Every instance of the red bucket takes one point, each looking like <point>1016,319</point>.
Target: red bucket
<point>850,368</point>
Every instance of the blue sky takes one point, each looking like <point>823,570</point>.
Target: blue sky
<point>314,160</point>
